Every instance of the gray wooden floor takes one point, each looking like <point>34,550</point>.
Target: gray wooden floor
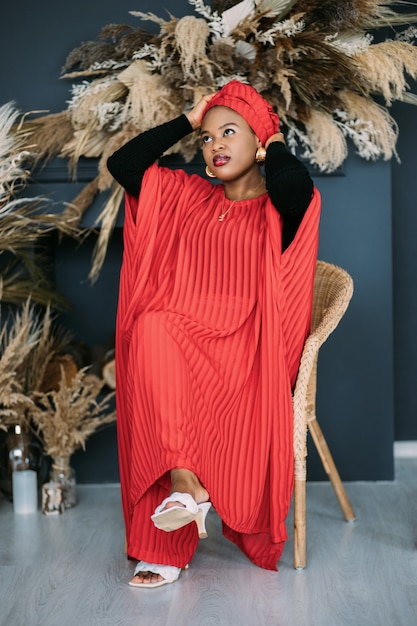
<point>71,570</point>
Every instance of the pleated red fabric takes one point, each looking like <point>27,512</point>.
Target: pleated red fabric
<point>211,323</point>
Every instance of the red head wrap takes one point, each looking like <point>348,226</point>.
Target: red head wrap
<point>246,101</point>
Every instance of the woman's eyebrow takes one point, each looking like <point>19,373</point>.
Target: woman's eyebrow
<point>222,126</point>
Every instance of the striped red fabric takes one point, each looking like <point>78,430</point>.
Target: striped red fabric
<point>210,327</point>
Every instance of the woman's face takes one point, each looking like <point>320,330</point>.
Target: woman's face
<point>228,143</point>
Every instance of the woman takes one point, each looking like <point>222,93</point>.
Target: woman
<point>214,307</point>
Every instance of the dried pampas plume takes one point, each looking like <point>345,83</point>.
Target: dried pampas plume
<point>145,89</point>
<point>191,35</point>
<point>18,337</point>
<point>49,134</point>
<point>327,144</point>
<point>371,128</point>
<point>386,64</point>
<point>107,220</point>
<point>315,61</point>
<point>29,339</point>
<point>65,419</point>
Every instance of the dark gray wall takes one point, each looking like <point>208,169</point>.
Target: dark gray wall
<point>356,378</point>
<point>355,387</point>
<point>404,220</point>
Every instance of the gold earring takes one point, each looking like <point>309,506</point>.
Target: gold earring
<point>260,154</point>
<point>209,172</point>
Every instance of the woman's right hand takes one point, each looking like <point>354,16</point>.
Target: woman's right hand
<point>276,137</point>
<point>195,116</point>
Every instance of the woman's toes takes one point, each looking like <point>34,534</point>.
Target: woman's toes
<point>146,578</point>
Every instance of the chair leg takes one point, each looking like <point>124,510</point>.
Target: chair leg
<point>299,523</point>
<point>330,468</point>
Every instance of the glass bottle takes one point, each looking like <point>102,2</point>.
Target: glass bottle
<point>64,475</point>
<point>20,450</point>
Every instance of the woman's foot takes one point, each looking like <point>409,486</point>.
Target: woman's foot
<point>180,509</point>
<point>187,503</point>
<point>185,481</point>
<point>153,575</point>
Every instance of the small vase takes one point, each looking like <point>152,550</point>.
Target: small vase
<point>64,475</point>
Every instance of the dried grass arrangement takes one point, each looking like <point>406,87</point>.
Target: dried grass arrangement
<point>18,338</point>
<point>24,222</point>
<point>28,343</point>
<point>316,61</point>
<point>65,412</point>
<point>65,418</point>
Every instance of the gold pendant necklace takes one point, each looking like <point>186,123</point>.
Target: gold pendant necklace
<point>224,213</point>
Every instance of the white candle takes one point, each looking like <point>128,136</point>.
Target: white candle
<point>25,492</point>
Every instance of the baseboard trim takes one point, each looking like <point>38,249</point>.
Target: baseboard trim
<point>405,449</point>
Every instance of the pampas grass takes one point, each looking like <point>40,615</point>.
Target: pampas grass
<point>23,228</point>
<point>18,285</point>
<point>48,134</point>
<point>386,65</point>
<point>369,125</point>
<point>15,156</point>
<point>327,146</point>
<point>191,35</point>
<point>28,341</point>
<point>288,49</point>
<point>18,337</point>
<point>315,61</point>
<point>65,419</point>
<point>354,15</point>
<point>52,338</point>
<point>107,221</point>
<point>31,335</point>
<point>24,222</point>
<point>88,97</point>
<point>145,89</point>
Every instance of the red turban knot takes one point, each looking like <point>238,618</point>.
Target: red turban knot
<point>246,101</point>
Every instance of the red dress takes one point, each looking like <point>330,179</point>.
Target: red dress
<point>210,327</point>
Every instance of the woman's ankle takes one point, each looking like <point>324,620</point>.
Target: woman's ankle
<point>185,481</point>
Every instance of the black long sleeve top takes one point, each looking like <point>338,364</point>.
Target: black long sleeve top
<point>288,181</point>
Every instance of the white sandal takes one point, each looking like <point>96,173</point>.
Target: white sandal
<point>169,574</point>
<point>178,516</point>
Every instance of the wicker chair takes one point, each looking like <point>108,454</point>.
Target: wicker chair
<point>333,289</point>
